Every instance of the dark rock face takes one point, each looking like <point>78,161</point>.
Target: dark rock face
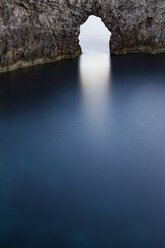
<point>40,31</point>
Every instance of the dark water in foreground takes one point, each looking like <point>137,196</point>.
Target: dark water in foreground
<point>83,166</point>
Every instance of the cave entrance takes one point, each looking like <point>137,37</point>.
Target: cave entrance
<point>94,36</point>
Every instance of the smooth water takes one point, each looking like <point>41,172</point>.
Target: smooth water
<point>82,153</point>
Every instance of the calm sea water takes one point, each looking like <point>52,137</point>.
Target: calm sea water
<point>82,153</point>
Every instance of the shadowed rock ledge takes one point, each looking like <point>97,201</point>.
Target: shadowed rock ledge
<point>40,31</point>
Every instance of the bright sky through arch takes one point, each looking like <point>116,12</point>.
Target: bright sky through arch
<point>94,35</point>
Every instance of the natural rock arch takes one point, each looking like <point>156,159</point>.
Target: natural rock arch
<point>39,31</point>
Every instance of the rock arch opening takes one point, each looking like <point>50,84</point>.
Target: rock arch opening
<point>49,32</point>
<point>94,36</point>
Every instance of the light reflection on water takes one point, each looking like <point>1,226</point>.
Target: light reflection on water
<point>94,72</point>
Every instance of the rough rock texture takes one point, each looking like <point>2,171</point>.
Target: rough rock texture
<point>39,31</point>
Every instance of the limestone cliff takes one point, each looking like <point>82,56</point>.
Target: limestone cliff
<point>39,31</point>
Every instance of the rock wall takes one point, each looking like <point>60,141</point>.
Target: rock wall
<point>40,31</point>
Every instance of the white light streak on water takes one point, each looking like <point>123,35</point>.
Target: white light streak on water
<point>94,69</point>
